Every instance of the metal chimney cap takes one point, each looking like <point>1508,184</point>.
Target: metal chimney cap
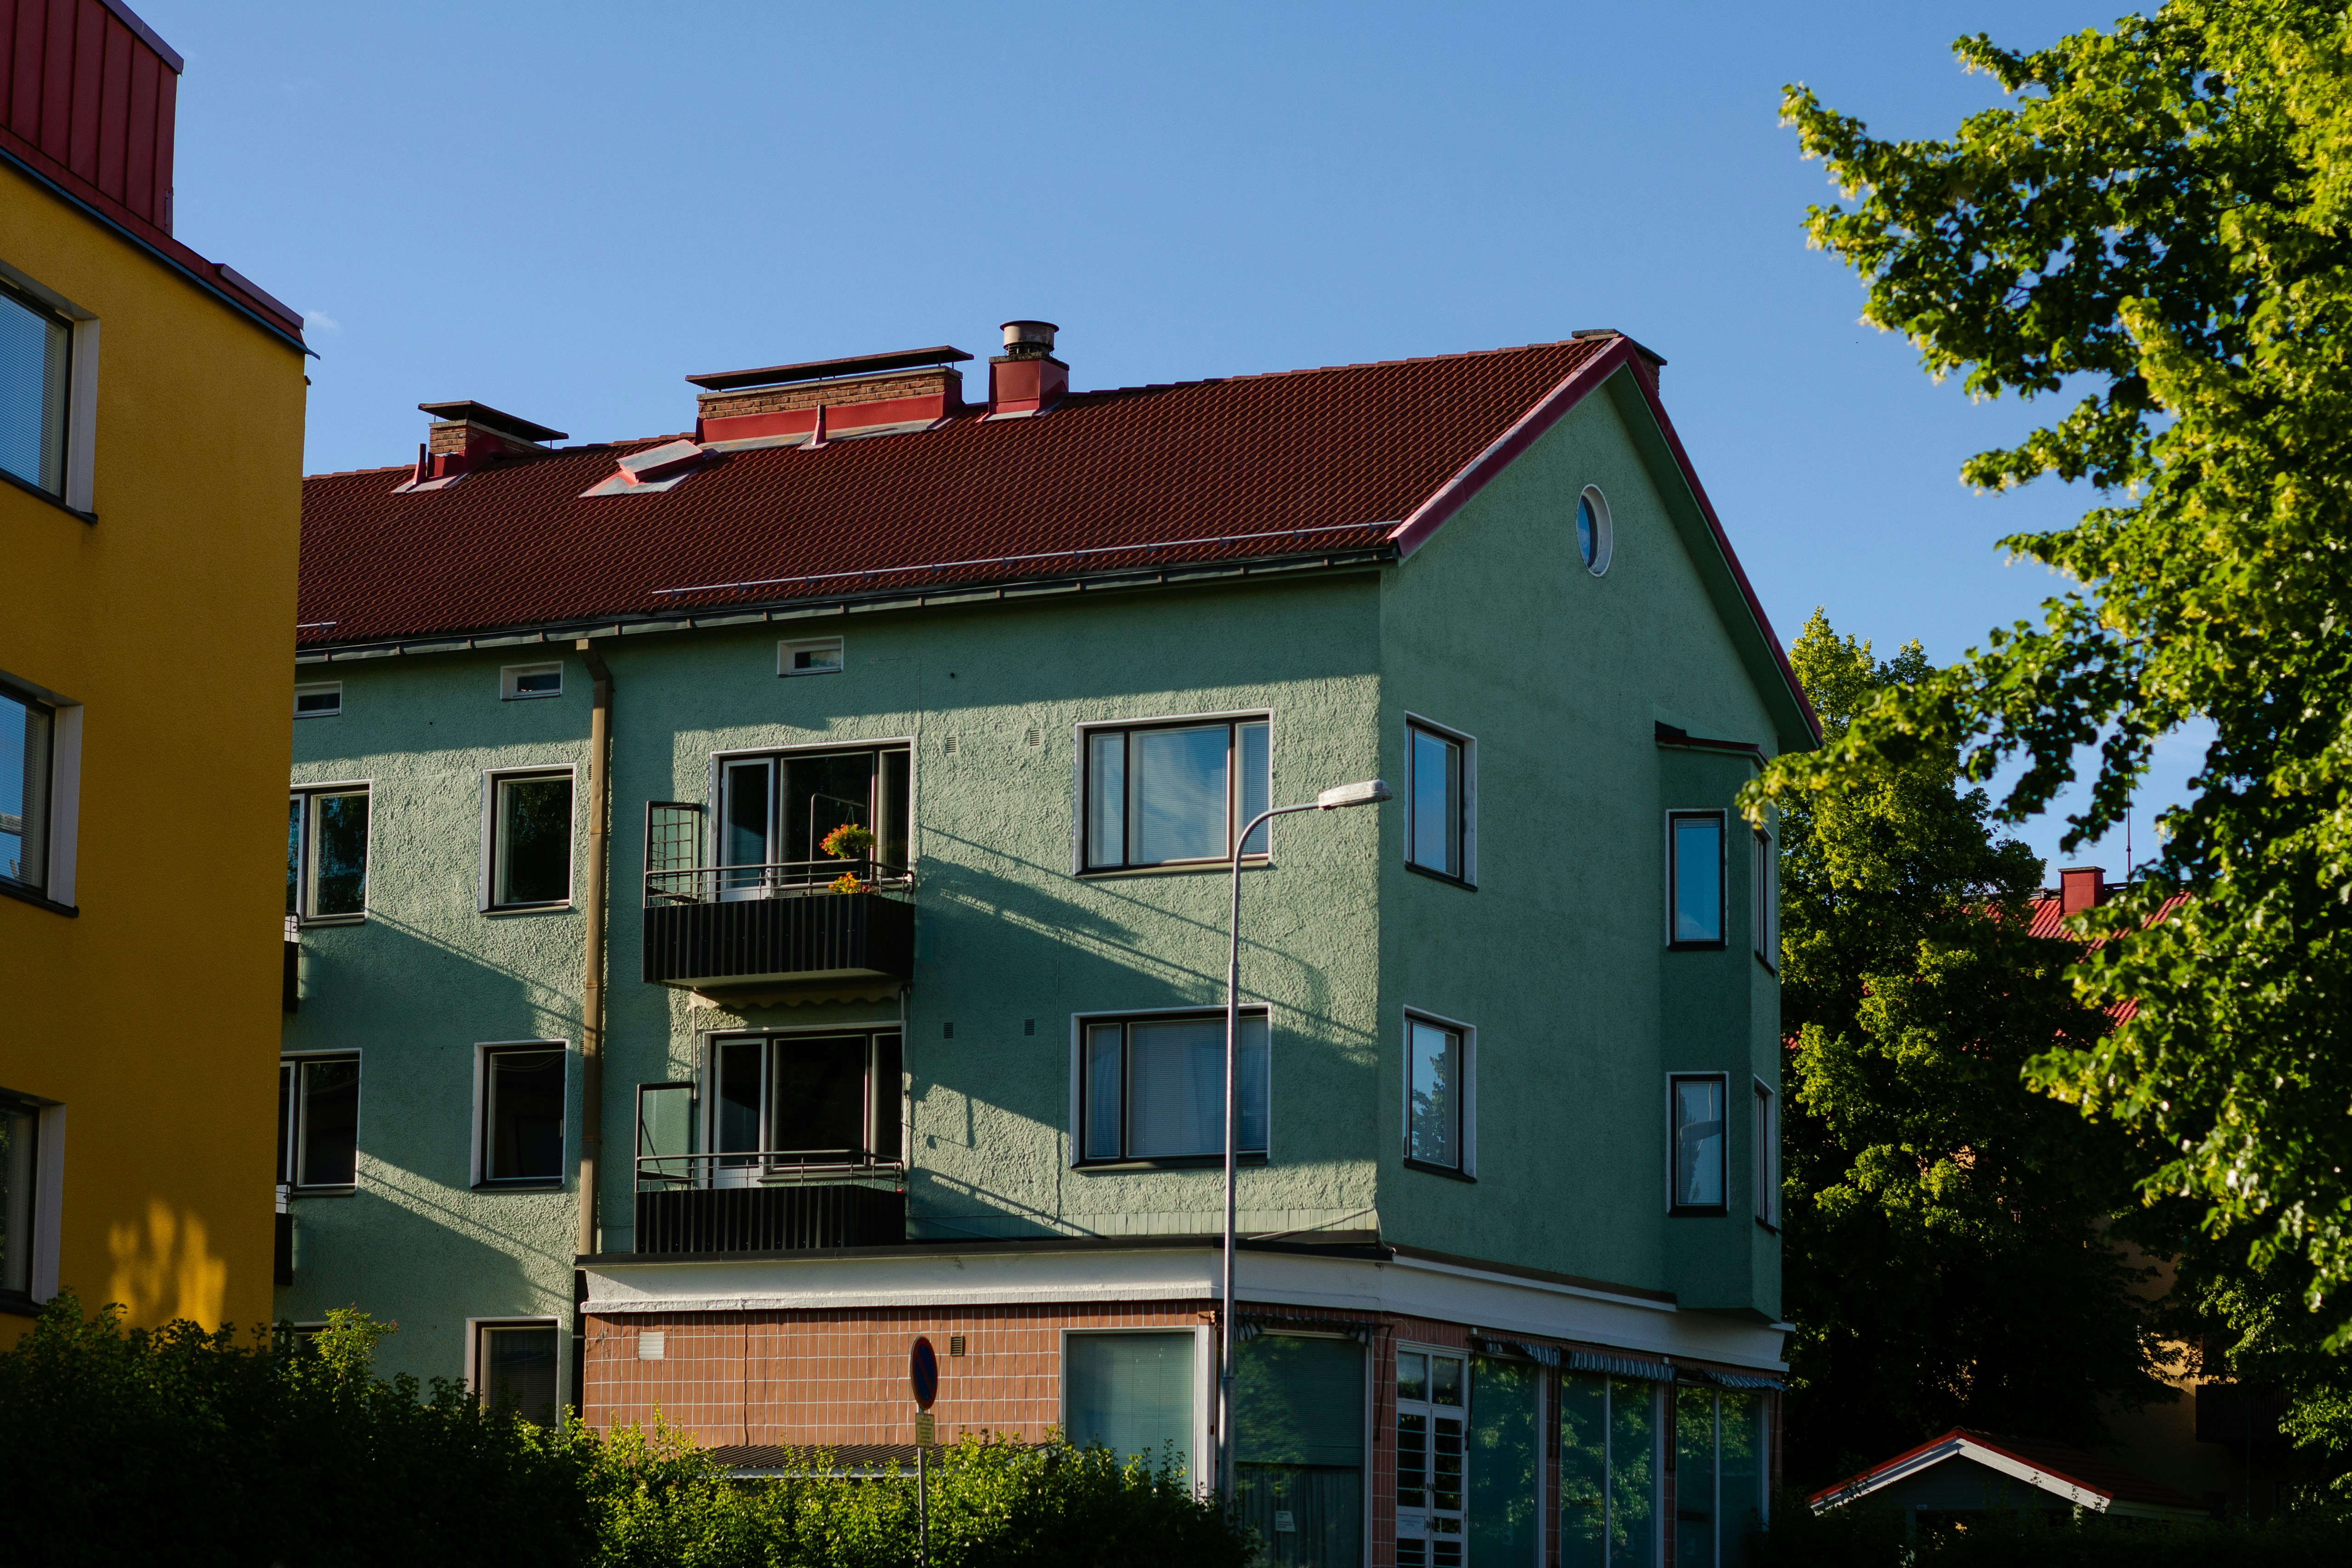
<point>1029,340</point>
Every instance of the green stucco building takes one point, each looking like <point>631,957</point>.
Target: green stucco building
<point>889,1001</point>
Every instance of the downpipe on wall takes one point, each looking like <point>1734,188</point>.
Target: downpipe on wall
<point>591,995</point>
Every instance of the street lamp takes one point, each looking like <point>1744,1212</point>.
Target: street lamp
<point>1370,793</point>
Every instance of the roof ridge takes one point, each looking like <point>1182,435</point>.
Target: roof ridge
<point>1330,370</point>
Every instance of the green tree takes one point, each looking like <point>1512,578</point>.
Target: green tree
<point>1945,1264</point>
<point>2156,229</point>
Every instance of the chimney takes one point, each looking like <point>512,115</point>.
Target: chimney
<point>464,435</point>
<point>813,402</point>
<point>2082,887</point>
<point>1026,378</point>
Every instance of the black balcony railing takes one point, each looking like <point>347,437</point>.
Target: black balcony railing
<point>759,1203</point>
<point>293,963</point>
<point>805,920</point>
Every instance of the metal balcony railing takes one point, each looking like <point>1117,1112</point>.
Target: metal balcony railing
<point>761,1167</point>
<point>771,924</point>
<point>784,879</point>
<point>769,1201</point>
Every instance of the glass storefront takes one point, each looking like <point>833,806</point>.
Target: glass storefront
<point>1298,1459</point>
<point>1506,1461</point>
<point>1608,1465</point>
<point>1720,1474</point>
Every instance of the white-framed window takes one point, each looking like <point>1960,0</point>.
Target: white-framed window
<point>519,1098</point>
<point>327,851</point>
<point>27,731</point>
<point>512,1362</point>
<point>1767,1155</point>
<point>1440,831</point>
<point>527,838</point>
<point>32,1166</point>
<point>1694,851</point>
<point>1440,1125</point>
<point>318,699</point>
<point>1765,880</point>
<point>810,657</point>
<point>1140,1393</point>
<point>800,1099</point>
<point>1172,791</point>
<point>48,391</point>
<point>518,682</point>
<point>318,1121</point>
<point>1697,1127</point>
<point>1150,1087</point>
<point>1433,1416</point>
<point>1595,539</point>
<point>775,810</point>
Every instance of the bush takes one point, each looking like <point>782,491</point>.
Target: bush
<point>178,1445</point>
<point>1860,1536</point>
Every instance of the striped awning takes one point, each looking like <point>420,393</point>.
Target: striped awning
<point>1621,1366</point>
<point>1743,1380</point>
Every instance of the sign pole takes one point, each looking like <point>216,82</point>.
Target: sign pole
<point>923,1383</point>
<point>923,1505</point>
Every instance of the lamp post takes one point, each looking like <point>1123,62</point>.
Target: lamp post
<point>1370,793</point>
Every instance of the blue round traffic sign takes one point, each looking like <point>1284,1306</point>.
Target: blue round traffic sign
<point>923,1373</point>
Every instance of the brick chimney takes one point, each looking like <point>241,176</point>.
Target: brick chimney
<point>1026,378</point>
<point>2082,887</point>
<point>464,435</point>
<point>822,399</point>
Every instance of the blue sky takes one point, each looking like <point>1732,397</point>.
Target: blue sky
<point>563,210</point>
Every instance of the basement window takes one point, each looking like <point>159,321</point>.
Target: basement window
<point>816,656</point>
<point>519,681</point>
<point>322,699</point>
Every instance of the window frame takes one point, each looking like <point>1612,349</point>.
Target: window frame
<point>316,688</point>
<point>475,1329</point>
<point>307,878</point>
<point>40,814</point>
<point>763,1164</point>
<point>1765,898</point>
<point>494,780</point>
<point>1765,1158</point>
<point>1675,1208</point>
<point>510,678</point>
<point>1465,810</point>
<point>44,1208</point>
<point>483,1181</point>
<point>789,647</point>
<point>1465,1128</point>
<point>80,413</point>
<point>1605,532</point>
<point>1082,791</point>
<point>1204,1375</point>
<point>290,1143</point>
<point>1396,1403</point>
<point>713,846</point>
<point>1721,819</point>
<point>1076,1130</point>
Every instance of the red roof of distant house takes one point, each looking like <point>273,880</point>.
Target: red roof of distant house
<point>1248,470</point>
<point>2056,1468</point>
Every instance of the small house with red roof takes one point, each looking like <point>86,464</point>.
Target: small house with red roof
<point>1963,1474</point>
<point>762,896</point>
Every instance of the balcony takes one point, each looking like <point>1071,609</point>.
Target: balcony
<point>719,926</point>
<point>761,1203</point>
<point>293,996</point>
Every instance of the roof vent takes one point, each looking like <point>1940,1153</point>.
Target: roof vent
<point>464,435</point>
<point>866,395</point>
<point>2082,887</point>
<point>1026,378</point>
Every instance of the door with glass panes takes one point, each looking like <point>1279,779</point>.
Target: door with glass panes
<point>1433,1408</point>
<point>775,813</point>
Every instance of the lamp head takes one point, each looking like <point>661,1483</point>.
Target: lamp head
<point>1370,793</point>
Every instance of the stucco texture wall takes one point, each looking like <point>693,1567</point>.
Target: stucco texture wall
<point>1557,958</point>
<point>152,1015</point>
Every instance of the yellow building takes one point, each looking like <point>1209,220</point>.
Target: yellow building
<point>150,440</point>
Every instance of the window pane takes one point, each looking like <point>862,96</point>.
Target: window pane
<point>330,1122</point>
<point>24,790</point>
<point>1102,1089</point>
<point>286,1121</point>
<point>1257,783</point>
<point>1250,1052</point>
<point>1633,1474</point>
<point>1176,1097</point>
<point>1106,799</point>
<point>1299,1449</point>
<point>665,1132</point>
<point>1583,1471</point>
<point>820,1095</point>
<point>17,1125</point>
<point>338,842</point>
<point>1740,1473</point>
<point>1435,1062</point>
<point>743,836</point>
<point>518,1368</point>
<point>889,1067</point>
<point>891,808</point>
<point>1436,810</point>
<point>1693,1478</point>
<point>735,1115</point>
<point>534,840</point>
<point>294,855</point>
<point>1412,1374</point>
<point>1177,795</point>
<point>820,794</point>
<point>1445,1380</point>
<point>1505,1457</point>
<point>1698,879</point>
<point>526,1109</point>
<point>1698,1142</point>
<point>1132,1392</point>
<point>33,361</point>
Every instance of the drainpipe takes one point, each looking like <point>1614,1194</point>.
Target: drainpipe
<point>592,984</point>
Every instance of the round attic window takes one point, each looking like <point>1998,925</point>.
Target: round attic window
<point>1592,529</point>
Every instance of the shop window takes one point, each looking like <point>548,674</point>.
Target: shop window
<point>1299,1457</point>
<point>1609,1466</point>
<point>1506,1460</point>
<point>1431,1396</point>
<point>1132,1393</point>
<point>1720,1474</point>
